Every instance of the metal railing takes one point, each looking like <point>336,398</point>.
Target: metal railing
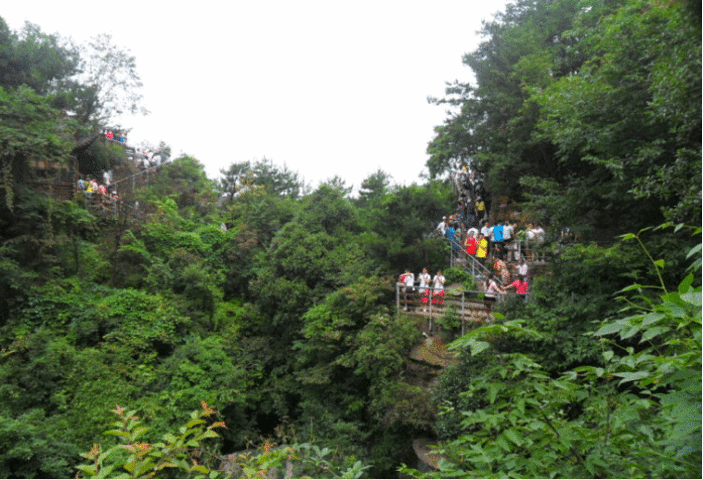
<point>108,204</point>
<point>472,306</point>
<point>124,186</point>
<point>134,180</point>
<point>459,257</point>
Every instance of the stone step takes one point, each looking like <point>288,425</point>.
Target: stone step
<point>432,351</point>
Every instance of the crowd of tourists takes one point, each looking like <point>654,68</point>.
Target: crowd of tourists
<point>498,246</point>
<point>430,289</point>
<point>146,158</point>
<point>89,186</point>
<point>487,241</point>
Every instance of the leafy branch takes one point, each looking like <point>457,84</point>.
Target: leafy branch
<point>133,459</point>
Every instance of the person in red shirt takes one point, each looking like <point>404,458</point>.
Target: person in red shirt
<point>471,244</point>
<point>520,285</point>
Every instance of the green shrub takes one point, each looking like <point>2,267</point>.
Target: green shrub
<point>459,275</point>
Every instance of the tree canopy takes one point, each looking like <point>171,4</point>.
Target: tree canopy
<point>581,108</point>
<point>54,94</point>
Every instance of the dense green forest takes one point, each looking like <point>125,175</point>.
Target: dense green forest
<point>256,312</point>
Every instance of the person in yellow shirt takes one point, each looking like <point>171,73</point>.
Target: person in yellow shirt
<point>482,251</point>
<point>89,188</point>
<point>480,210</point>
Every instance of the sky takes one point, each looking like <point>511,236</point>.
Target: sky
<point>323,87</point>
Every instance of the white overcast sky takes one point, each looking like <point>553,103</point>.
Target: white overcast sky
<point>325,87</point>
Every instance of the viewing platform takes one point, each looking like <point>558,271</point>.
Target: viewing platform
<point>468,309</point>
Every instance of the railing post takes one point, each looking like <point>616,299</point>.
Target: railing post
<point>519,248</point>
<point>430,319</point>
<point>462,314</point>
<point>397,300</point>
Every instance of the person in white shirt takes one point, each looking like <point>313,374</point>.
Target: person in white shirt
<point>438,288</point>
<point>490,291</point>
<point>530,232</point>
<point>456,179</point>
<point>509,243</point>
<point>522,268</point>
<point>407,279</point>
<point>539,233</point>
<point>442,227</point>
<point>487,231</point>
<point>508,231</point>
<point>424,288</point>
<point>461,178</point>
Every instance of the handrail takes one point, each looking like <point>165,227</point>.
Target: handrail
<point>466,300</point>
<point>475,294</point>
<point>138,174</point>
<point>147,170</point>
<point>478,269</point>
<point>108,202</point>
<point>455,248</point>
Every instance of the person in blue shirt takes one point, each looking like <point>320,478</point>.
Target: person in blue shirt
<point>498,236</point>
<point>451,233</point>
